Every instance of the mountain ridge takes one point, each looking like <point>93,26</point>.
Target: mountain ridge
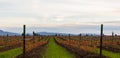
<point>5,33</point>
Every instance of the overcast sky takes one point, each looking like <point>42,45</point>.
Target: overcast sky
<point>60,15</point>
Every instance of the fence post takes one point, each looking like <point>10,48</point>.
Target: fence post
<point>101,38</point>
<point>80,39</point>
<point>112,36</point>
<point>39,37</point>
<point>7,39</point>
<point>24,31</point>
<point>69,36</point>
<point>80,35</point>
<point>33,37</point>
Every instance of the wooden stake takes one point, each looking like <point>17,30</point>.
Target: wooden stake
<point>101,38</point>
<point>24,30</point>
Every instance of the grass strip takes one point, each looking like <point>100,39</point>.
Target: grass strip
<point>108,53</point>
<point>11,53</point>
<point>54,50</point>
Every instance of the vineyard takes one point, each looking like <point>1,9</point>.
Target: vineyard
<point>59,46</point>
<point>65,46</point>
<point>59,28</point>
<point>11,46</point>
<point>88,46</point>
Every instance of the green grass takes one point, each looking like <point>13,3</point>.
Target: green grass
<point>108,53</point>
<point>55,51</point>
<point>11,53</point>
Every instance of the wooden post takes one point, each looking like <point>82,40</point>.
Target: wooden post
<point>7,35</point>
<point>39,37</point>
<point>80,35</point>
<point>24,30</point>
<point>91,39</point>
<point>80,39</point>
<point>7,39</point>
<point>112,36</point>
<point>33,37</point>
<point>69,36</point>
<point>101,38</point>
<point>69,39</point>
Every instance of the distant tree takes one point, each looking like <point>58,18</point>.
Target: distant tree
<point>22,34</point>
<point>27,34</point>
<point>116,35</point>
<point>55,34</point>
<point>86,35</point>
<point>7,35</point>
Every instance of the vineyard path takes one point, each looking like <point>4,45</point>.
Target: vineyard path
<point>53,50</point>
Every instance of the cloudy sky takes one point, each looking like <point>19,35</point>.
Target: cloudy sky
<point>72,16</point>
